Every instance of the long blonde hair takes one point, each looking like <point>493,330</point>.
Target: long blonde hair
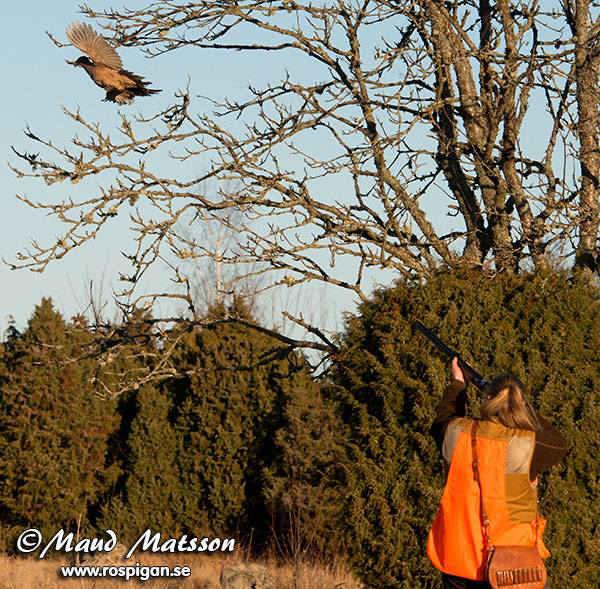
<point>506,404</point>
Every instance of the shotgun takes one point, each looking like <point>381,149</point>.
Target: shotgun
<point>479,381</point>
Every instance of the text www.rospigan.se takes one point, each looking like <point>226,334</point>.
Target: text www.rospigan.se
<point>125,572</point>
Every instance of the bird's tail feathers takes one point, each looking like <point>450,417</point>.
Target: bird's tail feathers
<point>141,85</point>
<point>143,91</point>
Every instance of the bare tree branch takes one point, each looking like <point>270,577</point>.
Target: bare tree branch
<point>415,108</point>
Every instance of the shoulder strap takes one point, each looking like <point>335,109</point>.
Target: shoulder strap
<point>484,517</point>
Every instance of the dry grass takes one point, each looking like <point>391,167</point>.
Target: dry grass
<point>19,573</point>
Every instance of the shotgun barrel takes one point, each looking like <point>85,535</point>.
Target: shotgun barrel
<point>477,379</point>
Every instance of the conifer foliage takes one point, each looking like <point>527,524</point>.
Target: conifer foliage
<point>200,451</point>
<point>226,410</point>
<point>53,429</point>
<point>306,480</point>
<point>247,443</point>
<point>150,492</point>
<point>545,328</point>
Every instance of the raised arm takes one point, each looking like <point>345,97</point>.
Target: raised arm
<point>550,448</point>
<point>453,403</point>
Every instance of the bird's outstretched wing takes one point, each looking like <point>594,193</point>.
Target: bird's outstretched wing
<point>95,46</point>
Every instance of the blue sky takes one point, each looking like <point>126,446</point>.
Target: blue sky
<point>41,84</point>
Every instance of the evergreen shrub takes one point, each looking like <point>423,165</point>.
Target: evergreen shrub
<point>543,327</point>
<point>53,429</point>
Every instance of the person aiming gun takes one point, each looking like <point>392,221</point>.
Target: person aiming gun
<point>490,495</point>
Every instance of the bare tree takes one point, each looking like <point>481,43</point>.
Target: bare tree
<point>415,106</point>
<point>212,280</point>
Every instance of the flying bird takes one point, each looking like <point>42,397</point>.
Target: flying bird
<point>104,66</point>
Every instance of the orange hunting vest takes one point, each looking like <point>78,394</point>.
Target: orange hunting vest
<point>455,543</point>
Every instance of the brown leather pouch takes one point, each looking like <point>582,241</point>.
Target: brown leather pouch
<point>516,567</point>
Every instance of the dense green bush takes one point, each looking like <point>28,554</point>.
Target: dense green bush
<point>150,493</point>
<point>544,328</point>
<point>53,429</point>
<point>306,480</point>
<point>247,443</point>
<point>228,409</point>
<point>200,449</point>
